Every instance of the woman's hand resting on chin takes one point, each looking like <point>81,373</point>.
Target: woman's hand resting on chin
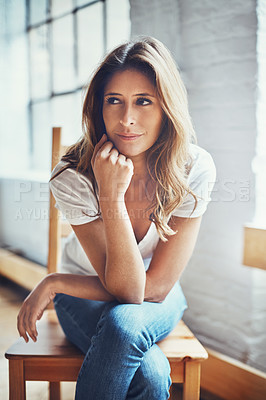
<point>112,170</point>
<point>33,307</point>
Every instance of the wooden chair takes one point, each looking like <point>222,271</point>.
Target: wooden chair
<point>54,359</point>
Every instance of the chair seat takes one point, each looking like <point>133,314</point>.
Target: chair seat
<point>180,344</point>
<point>53,349</point>
<point>51,341</point>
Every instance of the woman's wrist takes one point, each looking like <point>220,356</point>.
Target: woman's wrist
<point>53,283</point>
<point>115,209</point>
<point>111,197</point>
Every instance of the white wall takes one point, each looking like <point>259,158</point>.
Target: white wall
<point>24,215</point>
<point>214,43</point>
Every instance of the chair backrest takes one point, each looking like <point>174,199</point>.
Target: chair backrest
<point>57,228</point>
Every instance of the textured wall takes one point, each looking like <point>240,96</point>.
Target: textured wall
<point>214,44</point>
<point>157,18</point>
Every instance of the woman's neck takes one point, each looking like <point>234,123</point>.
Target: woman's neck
<point>141,173</point>
<point>141,187</point>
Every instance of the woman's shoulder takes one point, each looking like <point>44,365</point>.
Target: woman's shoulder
<point>201,178</point>
<point>65,175</point>
<point>74,194</point>
<point>199,153</point>
<point>202,163</point>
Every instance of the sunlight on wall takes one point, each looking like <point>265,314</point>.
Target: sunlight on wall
<point>259,163</point>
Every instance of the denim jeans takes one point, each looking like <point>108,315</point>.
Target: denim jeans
<point>122,360</point>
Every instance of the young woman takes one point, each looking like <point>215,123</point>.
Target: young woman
<point>134,189</point>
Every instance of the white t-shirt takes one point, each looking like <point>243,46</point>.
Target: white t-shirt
<point>75,198</point>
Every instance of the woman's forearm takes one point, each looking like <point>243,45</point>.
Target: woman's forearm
<point>124,272</point>
<point>87,287</point>
<point>82,286</point>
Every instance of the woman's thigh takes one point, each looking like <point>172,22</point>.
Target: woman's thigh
<point>78,318</point>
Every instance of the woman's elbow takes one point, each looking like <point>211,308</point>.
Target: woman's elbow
<point>156,295</point>
<point>125,294</point>
<point>155,299</point>
<point>130,300</point>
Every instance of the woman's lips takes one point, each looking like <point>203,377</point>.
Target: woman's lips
<point>128,136</point>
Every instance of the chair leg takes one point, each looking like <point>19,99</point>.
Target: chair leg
<point>171,393</point>
<point>174,392</point>
<point>54,391</point>
<point>17,386</point>
<point>191,387</point>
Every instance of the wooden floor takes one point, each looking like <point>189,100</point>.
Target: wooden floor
<point>11,297</point>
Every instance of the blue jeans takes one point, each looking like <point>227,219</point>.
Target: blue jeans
<point>122,360</point>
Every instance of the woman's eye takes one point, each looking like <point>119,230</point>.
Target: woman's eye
<point>112,100</point>
<point>143,101</point>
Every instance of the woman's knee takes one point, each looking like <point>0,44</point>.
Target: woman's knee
<point>126,322</point>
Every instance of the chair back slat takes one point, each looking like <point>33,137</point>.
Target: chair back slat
<point>57,228</point>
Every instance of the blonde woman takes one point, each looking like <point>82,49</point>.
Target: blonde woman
<point>134,190</point>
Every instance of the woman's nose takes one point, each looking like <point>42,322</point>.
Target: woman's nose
<point>128,117</point>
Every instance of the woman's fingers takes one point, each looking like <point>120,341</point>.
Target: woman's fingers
<point>98,146</point>
<point>130,164</point>
<point>31,327</point>
<point>21,328</point>
<point>121,157</point>
<point>26,324</point>
<point>106,150</point>
<point>113,155</point>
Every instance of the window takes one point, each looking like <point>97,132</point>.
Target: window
<point>66,39</point>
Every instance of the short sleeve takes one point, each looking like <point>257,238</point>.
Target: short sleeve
<point>201,180</point>
<point>74,196</point>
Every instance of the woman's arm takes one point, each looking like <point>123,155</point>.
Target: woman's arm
<point>124,270</point>
<point>170,258</point>
<point>87,287</point>
<point>124,273</point>
<point>168,261</point>
<point>92,237</point>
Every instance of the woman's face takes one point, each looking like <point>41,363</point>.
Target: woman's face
<point>131,112</point>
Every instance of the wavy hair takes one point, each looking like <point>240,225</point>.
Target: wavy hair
<point>168,160</point>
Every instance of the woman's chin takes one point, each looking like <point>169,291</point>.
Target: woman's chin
<point>130,153</point>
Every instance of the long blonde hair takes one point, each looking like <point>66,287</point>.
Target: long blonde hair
<point>168,160</point>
